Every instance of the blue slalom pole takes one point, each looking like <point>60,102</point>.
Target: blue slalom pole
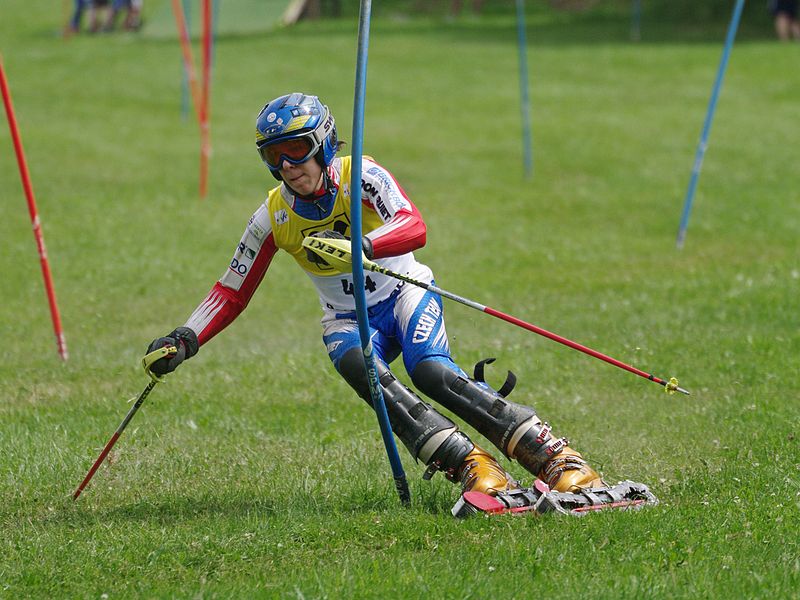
<point>701,147</point>
<point>636,20</point>
<point>525,104</point>
<point>375,391</point>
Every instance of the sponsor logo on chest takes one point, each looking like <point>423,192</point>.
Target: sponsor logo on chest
<point>281,216</point>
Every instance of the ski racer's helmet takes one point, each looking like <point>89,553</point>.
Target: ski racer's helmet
<point>294,128</point>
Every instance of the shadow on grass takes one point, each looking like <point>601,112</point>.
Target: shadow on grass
<point>238,504</point>
<point>168,511</point>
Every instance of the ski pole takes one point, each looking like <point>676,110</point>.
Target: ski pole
<point>337,253</point>
<point>148,360</point>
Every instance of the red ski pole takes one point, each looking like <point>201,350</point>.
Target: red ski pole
<point>146,362</point>
<point>37,226</point>
<point>337,254</point>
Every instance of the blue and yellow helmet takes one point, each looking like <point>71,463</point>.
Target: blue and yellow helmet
<point>294,128</point>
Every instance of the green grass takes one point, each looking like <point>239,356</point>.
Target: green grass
<point>255,472</point>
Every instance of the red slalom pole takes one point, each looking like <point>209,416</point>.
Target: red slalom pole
<point>205,147</point>
<point>188,61</point>
<point>37,226</point>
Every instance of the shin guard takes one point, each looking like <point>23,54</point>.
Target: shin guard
<point>428,435</point>
<point>503,422</point>
<point>514,428</point>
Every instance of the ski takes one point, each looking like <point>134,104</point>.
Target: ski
<point>540,499</point>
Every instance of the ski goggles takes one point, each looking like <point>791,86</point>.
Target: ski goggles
<point>295,151</point>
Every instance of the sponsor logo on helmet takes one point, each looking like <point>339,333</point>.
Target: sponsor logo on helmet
<point>297,123</point>
<point>273,130</point>
<point>271,117</point>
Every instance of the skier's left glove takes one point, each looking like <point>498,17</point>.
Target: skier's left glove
<point>186,344</point>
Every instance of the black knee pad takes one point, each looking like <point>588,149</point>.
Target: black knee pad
<point>412,420</point>
<point>483,408</point>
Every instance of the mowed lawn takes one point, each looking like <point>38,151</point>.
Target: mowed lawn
<point>254,471</point>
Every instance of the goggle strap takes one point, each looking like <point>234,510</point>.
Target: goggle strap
<point>324,128</point>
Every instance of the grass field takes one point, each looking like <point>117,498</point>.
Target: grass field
<point>254,471</point>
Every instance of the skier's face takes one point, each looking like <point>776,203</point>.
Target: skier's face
<point>305,178</point>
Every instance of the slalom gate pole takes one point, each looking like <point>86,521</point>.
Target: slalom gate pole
<point>205,148</point>
<point>185,102</point>
<point>525,104</point>
<point>636,20</point>
<point>188,61</point>
<point>376,393</point>
<point>712,105</point>
<point>34,214</point>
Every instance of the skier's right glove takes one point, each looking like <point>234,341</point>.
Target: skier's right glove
<point>327,234</point>
<point>184,340</point>
<point>366,245</point>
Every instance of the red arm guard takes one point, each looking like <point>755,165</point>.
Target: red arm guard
<point>404,231</point>
<point>223,304</point>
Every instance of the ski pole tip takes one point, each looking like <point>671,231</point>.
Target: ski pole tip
<point>401,484</point>
<point>672,386</point>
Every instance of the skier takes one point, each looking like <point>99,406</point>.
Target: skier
<point>297,141</point>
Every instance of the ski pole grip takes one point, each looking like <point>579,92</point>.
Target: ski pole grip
<point>155,355</point>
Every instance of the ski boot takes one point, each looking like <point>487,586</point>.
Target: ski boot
<point>569,472</point>
<point>565,484</point>
<point>482,475</point>
<point>480,472</point>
